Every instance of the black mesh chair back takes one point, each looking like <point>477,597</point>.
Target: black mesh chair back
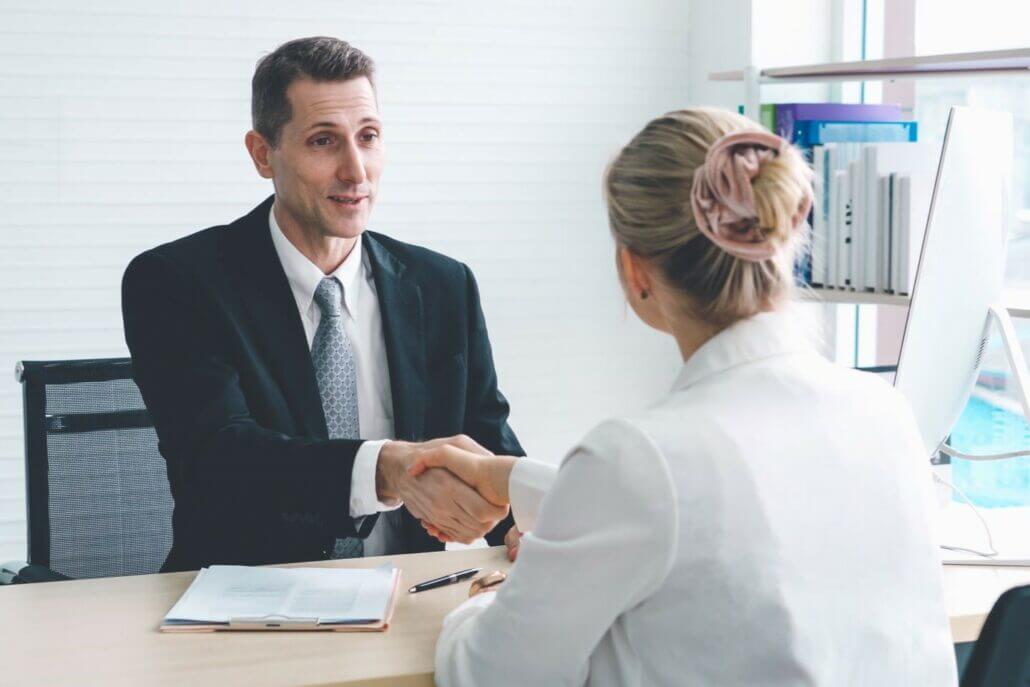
<point>1001,655</point>
<point>97,493</point>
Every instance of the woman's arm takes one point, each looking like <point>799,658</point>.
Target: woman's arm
<point>604,542</point>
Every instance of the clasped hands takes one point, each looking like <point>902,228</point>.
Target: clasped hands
<point>456,488</point>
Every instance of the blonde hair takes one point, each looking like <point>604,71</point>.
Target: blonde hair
<point>648,192</point>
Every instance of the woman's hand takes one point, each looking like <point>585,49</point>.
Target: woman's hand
<point>512,541</point>
<point>486,474</point>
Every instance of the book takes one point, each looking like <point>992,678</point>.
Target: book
<point>786,114</point>
<point>820,218</point>
<point>856,220</point>
<point>236,597</point>
<point>767,116</point>
<point>884,203</point>
<point>834,232</point>
<point>914,194</point>
<point>843,193</point>
<point>837,157</point>
<point>879,160</point>
<point>894,282</point>
<point>809,133</point>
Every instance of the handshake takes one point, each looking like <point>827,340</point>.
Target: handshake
<point>454,486</point>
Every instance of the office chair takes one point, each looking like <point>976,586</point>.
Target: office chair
<point>1001,655</point>
<point>97,497</point>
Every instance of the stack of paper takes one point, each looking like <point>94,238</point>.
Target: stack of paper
<point>230,597</point>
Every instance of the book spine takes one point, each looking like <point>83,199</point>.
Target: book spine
<point>895,284</point>
<point>768,116</point>
<point>856,249</point>
<point>787,114</point>
<point>883,260</point>
<point>819,238</point>
<point>808,133</point>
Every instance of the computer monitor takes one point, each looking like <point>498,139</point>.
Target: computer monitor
<point>960,272</point>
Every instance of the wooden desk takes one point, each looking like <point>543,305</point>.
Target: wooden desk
<point>93,632</point>
<point>105,631</point>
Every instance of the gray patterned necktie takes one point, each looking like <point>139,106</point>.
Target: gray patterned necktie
<point>335,371</point>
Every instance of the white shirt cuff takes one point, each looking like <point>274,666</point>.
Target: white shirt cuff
<point>364,500</point>
<point>528,482</point>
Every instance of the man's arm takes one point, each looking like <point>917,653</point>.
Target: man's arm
<point>486,416</point>
<point>183,364</point>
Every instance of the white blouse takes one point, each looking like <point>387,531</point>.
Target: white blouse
<point>765,523</point>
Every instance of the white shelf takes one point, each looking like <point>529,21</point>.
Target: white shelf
<point>996,62</point>
<point>821,295</point>
<point>1017,301</point>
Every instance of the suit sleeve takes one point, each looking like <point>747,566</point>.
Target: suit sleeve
<point>182,356</point>
<point>486,416</point>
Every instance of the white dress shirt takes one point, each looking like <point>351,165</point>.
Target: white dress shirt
<point>764,524</point>
<point>363,324</point>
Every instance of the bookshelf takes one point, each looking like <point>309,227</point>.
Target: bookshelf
<point>1017,301</point>
<point>990,63</point>
<point>1015,62</point>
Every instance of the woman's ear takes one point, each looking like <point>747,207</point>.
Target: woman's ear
<point>635,275</point>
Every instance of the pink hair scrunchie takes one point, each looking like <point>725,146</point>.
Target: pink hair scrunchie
<point>723,201</point>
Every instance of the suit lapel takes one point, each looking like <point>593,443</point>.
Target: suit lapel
<point>251,260</point>
<point>400,302</point>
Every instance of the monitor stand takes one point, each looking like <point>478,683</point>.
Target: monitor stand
<point>997,314</point>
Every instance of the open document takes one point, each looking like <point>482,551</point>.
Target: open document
<point>232,597</point>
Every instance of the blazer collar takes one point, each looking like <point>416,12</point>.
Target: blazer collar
<point>765,335</point>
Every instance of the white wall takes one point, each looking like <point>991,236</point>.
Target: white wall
<point>719,40</point>
<point>121,126</point>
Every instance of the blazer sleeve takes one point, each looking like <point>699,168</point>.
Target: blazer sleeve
<point>486,410</point>
<point>183,364</point>
<point>604,542</point>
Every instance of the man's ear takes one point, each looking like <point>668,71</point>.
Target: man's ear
<point>259,150</point>
<point>634,273</point>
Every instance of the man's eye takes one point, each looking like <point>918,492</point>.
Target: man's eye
<point>370,136</point>
<point>322,141</point>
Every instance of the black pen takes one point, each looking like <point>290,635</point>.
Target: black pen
<point>446,579</point>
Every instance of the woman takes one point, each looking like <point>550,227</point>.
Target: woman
<point>764,523</point>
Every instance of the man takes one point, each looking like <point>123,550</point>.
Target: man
<point>277,353</point>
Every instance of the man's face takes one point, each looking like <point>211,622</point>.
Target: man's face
<point>330,154</point>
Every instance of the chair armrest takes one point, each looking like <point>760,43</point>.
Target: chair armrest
<point>9,570</point>
<point>18,572</point>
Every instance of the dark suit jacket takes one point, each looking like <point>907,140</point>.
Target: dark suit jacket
<point>221,359</point>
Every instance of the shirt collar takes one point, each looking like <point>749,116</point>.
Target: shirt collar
<point>304,276</point>
<point>761,336</point>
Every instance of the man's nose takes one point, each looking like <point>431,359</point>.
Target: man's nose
<point>351,167</point>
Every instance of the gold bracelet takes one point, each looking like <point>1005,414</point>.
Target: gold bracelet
<point>487,582</point>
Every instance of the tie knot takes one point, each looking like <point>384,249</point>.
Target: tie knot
<point>327,296</point>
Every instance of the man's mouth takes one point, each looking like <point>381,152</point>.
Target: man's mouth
<point>347,200</point>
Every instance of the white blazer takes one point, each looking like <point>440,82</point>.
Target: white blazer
<point>764,524</point>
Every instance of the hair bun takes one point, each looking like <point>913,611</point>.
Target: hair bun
<point>731,199</point>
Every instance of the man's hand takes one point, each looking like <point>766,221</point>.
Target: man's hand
<point>512,541</point>
<point>450,509</point>
<point>486,473</point>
